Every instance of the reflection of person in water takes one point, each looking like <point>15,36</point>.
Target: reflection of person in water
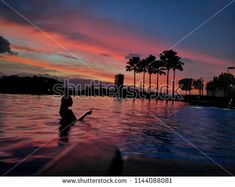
<point>68,117</point>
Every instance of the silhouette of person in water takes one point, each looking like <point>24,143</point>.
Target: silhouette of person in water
<point>66,113</point>
<point>68,118</point>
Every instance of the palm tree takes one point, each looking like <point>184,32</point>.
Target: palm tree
<point>132,66</point>
<point>142,67</point>
<point>178,65</point>
<point>159,70</point>
<point>150,61</point>
<point>164,57</point>
<point>186,84</point>
<point>198,84</point>
<point>171,61</point>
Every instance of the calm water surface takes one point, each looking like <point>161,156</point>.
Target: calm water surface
<point>28,122</point>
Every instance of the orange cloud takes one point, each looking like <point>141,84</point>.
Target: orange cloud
<point>81,71</point>
<point>28,38</point>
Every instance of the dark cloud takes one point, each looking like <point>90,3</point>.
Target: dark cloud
<point>33,9</point>
<point>48,15</point>
<point>130,55</point>
<point>41,13</point>
<point>4,45</point>
<point>187,60</point>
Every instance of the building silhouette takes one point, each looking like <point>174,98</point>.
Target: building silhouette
<point>220,92</point>
<point>119,80</point>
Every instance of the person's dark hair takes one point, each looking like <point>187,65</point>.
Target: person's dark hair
<point>66,102</point>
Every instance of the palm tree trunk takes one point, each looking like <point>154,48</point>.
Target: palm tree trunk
<point>167,82</point>
<point>143,80</point>
<point>134,78</point>
<point>173,84</point>
<point>157,82</point>
<point>150,81</point>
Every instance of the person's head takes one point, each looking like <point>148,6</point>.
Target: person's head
<point>66,102</point>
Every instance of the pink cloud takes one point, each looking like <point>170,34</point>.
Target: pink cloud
<point>102,44</point>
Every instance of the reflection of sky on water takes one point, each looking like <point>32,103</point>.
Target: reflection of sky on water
<point>29,121</point>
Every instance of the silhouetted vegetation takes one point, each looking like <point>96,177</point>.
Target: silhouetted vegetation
<point>171,61</point>
<point>132,66</point>
<point>167,60</point>
<point>27,85</point>
<point>186,85</point>
<point>198,85</point>
<point>224,81</point>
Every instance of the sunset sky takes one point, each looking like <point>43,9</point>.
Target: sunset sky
<point>92,39</point>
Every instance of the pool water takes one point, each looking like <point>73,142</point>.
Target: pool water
<point>29,126</point>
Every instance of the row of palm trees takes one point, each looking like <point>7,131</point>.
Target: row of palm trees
<point>167,60</point>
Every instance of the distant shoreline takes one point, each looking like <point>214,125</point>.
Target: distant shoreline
<point>207,101</point>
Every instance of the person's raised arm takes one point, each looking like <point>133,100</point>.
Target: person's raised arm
<point>84,115</point>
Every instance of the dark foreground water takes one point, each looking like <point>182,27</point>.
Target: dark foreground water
<point>137,127</point>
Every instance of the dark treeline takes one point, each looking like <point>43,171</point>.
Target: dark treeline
<point>27,85</point>
<point>15,84</point>
<point>224,81</point>
<point>188,84</point>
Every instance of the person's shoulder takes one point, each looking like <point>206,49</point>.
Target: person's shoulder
<point>70,114</point>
